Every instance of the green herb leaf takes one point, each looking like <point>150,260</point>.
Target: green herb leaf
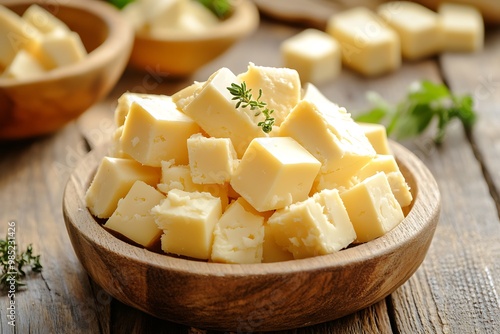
<point>120,3</point>
<point>13,263</point>
<point>245,100</point>
<point>424,102</point>
<point>221,8</point>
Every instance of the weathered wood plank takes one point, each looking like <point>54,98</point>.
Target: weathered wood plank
<point>32,178</point>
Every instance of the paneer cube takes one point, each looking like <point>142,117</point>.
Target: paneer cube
<point>317,226</point>
<point>462,27</point>
<point>188,220</point>
<point>155,130</point>
<point>417,26</point>
<point>368,45</point>
<point>314,54</point>
<point>44,20</point>
<point>377,136</point>
<point>132,217</point>
<point>211,160</point>
<point>372,207</point>
<point>281,88</point>
<point>238,235</point>
<point>113,180</point>
<point>275,172</point>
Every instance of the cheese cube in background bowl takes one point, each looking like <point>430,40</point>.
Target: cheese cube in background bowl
<point>314,54</point>
<point>368,45</point>
<point>211,160</point>
<point>462,27</point>
<point>188,220</point>
<point>317,226</point>
<point>281,88</point>
<point>275,172</point>
<point>113,180</point>
<point>59,49</point>
<point>372,207</point>
<point>24,66</point>
<point>417,26</point>
<point>155,130</point>
<point>239,235</point>
<point>43,20</point>
<point>132,217</point>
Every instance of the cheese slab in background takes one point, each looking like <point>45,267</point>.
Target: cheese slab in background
<point>113,180</point>
<point>215,112</point>
<point>24,66</point>
<point>275,172</point>
<point>281,88</point>
<point>314,54</point>
<point>372,207</point>
<point>462,28</point>
<point>317,226</point>
<point>59,49</point>
<point>132,217</point>
<point>330,134</point>
<point>188,220</point>
<point>155,130</point>
<point>417,26</point>
<point>238,235</point>
<point>211,160</point>
<point>368,45</point>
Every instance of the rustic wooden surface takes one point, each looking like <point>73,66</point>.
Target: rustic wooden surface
<point>456,289</point>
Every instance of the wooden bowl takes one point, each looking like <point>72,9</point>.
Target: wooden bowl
<point>44,104</point>
<point>254,297</point>
<point>181,55</point>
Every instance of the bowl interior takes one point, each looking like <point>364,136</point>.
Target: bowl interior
<point>268,296</point>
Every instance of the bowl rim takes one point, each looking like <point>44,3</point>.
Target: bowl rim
<point>244,19</point>
<point>424,211</point>
<point>120,37</point>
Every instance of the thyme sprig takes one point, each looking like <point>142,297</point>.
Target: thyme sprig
<point>245,100</point>
<point>13,263</point>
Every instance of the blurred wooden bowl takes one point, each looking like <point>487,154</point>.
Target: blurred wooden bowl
<point>179,55</point>
<point>44,104</point>
<point>254,297</point>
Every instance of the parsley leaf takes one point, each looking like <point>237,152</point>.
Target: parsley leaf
<point>424,102</point>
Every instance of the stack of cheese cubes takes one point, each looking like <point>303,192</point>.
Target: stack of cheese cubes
<point>36,42</point>
<point>375,42</point>
<point>199,174</point>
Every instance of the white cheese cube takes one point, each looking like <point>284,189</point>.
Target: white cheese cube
<point>184,96</point>
<point>59,49</point>
<point>24,66</point>
<point>388,165</point>
<point>330,134</point>
<point>275,172</point>
<point>314,54</point>
<point>113,180</point>
<point>155,130</point>
<point>161,14</point>
<point>125,102</point>
<point>238,235</point>
<point>377,136</point>
<point>317,226</point>
<point>417,26</point>
<point>179,177</point>
<point>462,27</point>
<point>271,251</point>
<point>15,34</point>
<point>195,18</point>
<point>188,220</point>
<point>281,88</point>
<point>372,207</point>
<point>214,110</point>
<point>132,217</point>
<point>368,45</point>
<point>43,20</point>
<point>211,160</point>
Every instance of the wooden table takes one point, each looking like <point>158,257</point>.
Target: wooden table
<point>456,289</point>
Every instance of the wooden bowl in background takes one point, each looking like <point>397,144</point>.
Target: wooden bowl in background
<point>44,104</point>
<point>179,55</point>
<point>254,297</point>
